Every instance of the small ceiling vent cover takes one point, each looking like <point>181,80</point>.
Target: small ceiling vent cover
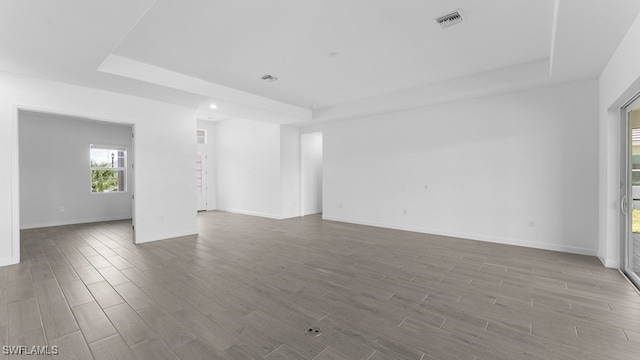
<point>269,78</point>
<point>450,19</point>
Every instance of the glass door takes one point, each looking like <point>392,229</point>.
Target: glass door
<point>630,202</point>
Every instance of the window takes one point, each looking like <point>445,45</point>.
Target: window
<point>201,138</point>
<point>108,168</point>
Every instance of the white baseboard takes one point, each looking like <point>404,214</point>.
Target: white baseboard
<point>252,213</point>
<point>313,212</point>
<point>529,244</point>
<point>164,236</point>
<point>7,261</point>
<point>612,264</point>
<point>609,263</point>
<point>73,222</point>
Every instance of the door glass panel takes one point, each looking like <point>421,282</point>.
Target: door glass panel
<point>631,254</point>
<point>201,181</point>
<point>199,174</point>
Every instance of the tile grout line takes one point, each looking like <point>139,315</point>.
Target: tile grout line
<point>320,353</point>
<point>625,334</point>
<point>272,351</point>
<point>402,322</point>
<point>373,353</point>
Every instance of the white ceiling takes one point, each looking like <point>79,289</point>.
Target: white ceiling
<point>391,54</point>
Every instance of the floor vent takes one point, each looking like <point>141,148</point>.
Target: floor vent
<point>313,331</point>
<point>451,19</point>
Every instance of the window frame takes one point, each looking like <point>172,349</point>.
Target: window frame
<point>117,170</point>
<point>204,136</point>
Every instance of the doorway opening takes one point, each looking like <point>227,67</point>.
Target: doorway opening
<point>205,158</point>
<point>74,170</point>
<point>311,173</point>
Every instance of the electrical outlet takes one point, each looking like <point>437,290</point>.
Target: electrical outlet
<point>404,212</point>
<point>339,206</point>
<point>531,223</point>
<point>61,208</point>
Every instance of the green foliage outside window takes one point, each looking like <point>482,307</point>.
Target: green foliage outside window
<point>103,180</point>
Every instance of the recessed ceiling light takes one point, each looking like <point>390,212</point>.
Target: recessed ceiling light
<point>334,54</point>
<point>213,106</point>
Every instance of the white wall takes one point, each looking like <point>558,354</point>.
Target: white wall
<point>258,168</point>
<point>248,176</point>
<point>54,171</point>
<point>619,81</point>
<point>311,173</point>
<point>290,171</point>
<point>519,168</point>
<point>211,166</point>
<point>164,137</point>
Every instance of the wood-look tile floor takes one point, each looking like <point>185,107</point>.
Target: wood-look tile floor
<point>247,288</point>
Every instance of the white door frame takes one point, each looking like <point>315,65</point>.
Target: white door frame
<point>626,192</point>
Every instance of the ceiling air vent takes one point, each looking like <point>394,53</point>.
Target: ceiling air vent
<point>450,19</point>
<point>269,78</point>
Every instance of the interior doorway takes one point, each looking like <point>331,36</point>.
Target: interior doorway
<point>74,170</point>
<point>630,192</point>
<point>311,173</point>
